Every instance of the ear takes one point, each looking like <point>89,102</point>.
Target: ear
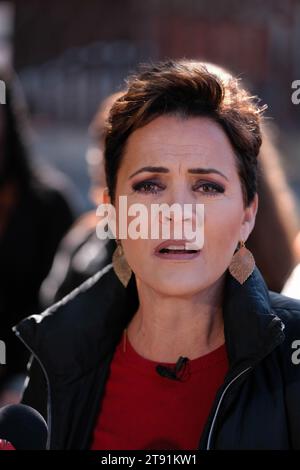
<point>249,218</point>
<point>106,196</point>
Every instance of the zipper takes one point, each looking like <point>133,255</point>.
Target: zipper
<point>48,388</point>
<point>273,324</point>
<point>219,404</point>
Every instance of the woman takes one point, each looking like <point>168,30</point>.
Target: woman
<point>168,349</point>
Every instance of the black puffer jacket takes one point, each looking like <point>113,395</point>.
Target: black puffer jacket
<point>258,405</point>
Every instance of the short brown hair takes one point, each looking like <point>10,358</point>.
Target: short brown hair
<point>187,89</point>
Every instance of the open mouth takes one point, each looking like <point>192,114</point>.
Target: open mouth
<point>176,250</point>
<point>179,250</point>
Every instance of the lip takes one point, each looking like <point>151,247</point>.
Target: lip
<point>175,256</point>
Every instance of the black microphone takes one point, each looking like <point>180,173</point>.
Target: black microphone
<point>173,373</point>
<point>23,427</point>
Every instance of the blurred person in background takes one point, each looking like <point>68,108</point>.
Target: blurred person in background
<point>81,253</point>
<point>34,216</point>
<point>272,239</point>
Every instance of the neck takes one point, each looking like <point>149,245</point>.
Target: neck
<point>164,328</point>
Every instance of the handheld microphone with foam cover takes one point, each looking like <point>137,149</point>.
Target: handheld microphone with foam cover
<point>23,427</point>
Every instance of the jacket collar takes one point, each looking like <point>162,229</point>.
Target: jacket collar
<point>87,324</point>
<point>251,329</point>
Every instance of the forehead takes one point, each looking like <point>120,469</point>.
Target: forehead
<point>168,139</point>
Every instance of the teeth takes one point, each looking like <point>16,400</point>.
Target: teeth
<point>175,247</point>
<point>192,246</point>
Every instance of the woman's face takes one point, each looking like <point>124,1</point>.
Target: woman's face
<point>178,147</point>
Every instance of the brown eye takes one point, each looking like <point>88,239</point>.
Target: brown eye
<point>147,187</point>
<point>209,188</point>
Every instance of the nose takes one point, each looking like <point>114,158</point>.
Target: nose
<point>180,209</point>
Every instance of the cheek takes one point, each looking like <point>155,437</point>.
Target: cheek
<point>222,227</point>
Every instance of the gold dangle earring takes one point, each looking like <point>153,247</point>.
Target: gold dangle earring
<point>242,264</point>
<point>120,265</point>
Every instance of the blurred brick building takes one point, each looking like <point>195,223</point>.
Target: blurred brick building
<point>65,46</point>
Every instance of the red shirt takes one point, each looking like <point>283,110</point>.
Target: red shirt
<point>142,410</point>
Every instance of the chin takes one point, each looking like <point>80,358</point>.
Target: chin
<point>178,287</point>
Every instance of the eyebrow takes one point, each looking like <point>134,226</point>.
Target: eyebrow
<point>194,171</point>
